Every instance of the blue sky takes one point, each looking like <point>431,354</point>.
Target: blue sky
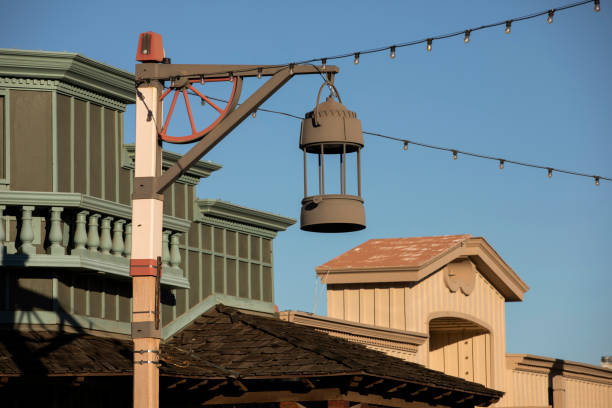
<point>541,94</point>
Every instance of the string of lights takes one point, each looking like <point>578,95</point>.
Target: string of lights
<point>392,48</point>
<point>455,152</point>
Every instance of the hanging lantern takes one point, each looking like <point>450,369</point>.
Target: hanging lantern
<point>333,134</point>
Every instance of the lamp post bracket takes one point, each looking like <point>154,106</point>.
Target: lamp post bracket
<point>167,72</point>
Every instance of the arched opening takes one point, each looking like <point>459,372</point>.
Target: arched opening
<point>461,348</point>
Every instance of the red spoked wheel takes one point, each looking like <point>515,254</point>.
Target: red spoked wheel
<point>222,112</point>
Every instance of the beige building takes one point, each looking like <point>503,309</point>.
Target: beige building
<point>440,302</point>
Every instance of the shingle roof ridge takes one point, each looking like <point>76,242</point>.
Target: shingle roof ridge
<point>235,315</point>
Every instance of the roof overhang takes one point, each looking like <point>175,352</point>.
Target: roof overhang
<point>477,249</point>
<point>71,68</point>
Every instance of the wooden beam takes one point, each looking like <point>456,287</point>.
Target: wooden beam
<point>240,385</point>
<point>355,381</point>
<point>397,387</point>
<point>367,387</point>
<point>444,394</point>
<point>417,392</point>
<point>217,386</point>
<point>469,397</point>
<point>201,383</point>
<point>179,382</point>
<point>308,383</point>
<point>323,394</point>
<point>333,394</point>
<point>338,404</point>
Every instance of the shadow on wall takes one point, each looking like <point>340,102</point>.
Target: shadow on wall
<point>25,335</point>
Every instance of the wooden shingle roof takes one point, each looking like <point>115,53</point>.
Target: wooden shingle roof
<point>229,357</point>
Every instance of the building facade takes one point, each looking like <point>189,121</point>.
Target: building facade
<point>66,181</point>
<point>440,302</point>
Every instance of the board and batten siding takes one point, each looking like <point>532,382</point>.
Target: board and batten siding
<point>587,394</point>
<point>410,307</point>
<point>73,145</point>
<point>526,389</point>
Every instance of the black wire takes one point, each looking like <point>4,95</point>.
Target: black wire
<point>410,43</point>
<point>446,149</point>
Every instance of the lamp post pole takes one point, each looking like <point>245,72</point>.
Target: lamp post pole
<point>147,215</point>
<point>150,183</point>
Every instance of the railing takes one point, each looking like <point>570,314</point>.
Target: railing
<point>72,230</point>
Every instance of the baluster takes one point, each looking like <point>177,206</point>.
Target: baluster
<point>80,232</point>
<point>105,236</point>
<point>175,254</point>
<point>55,232</point>
<point>127,252</point>
<point>26,235</point>
<point>165,257</point>
<point>2,234</point>
<point>118,245</point>
<point>93,237</point>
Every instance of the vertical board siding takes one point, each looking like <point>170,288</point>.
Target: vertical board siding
<point>31,169</point>
<point>64,148</point>
<point>80,147</point>
<point>95,151</point>
<point>2,139</point>
<point>583,394</point>
<point>110,164</point>
<point>410,306</point>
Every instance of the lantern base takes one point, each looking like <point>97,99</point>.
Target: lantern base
<point>332,213</point>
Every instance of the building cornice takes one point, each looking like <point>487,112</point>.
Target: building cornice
<point>70,68</point>
<point>548,365</point>
<point>232,212</point>
<point>60,87</point>
<point>353,328</point>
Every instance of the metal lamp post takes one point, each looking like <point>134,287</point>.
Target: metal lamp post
<point>150,183</point>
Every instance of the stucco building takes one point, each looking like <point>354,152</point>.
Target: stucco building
<point>440,302</point>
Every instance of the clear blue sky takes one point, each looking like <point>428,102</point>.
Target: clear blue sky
<point>541,94</point>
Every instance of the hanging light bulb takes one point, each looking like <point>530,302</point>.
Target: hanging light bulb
<point>259,73</point>
<point>501,164</point>
<point>429,41</point>
<point>356,61</point>
<point>254,113</point>
<point>597,177</point>
<point>202,80</point>
<point>508,24</point>
<point>551,13</point>
<point>549,173</point>
<point>597,9</point>
<point>392,52</point>
<point>466,39</point>
<point>291,68</point>
<point>324,63</point>
<point>454,155</point>
<point>231,76</point>
<point>405,145</point>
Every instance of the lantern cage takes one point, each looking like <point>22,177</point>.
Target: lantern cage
<point>329,130</point>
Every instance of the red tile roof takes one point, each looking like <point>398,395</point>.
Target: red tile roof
<point>394,253</point>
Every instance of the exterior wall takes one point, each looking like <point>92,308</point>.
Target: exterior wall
<point>411,307</point>
<point>462,353</point>
<point>222,258</point>
<point>78,143</point>
<point>526,389</point>
<point>535,381</point>
<point>587,394</point>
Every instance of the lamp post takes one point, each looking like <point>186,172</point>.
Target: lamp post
<point>150,183</point>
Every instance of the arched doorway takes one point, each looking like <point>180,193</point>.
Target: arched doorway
<point>461,348</point>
